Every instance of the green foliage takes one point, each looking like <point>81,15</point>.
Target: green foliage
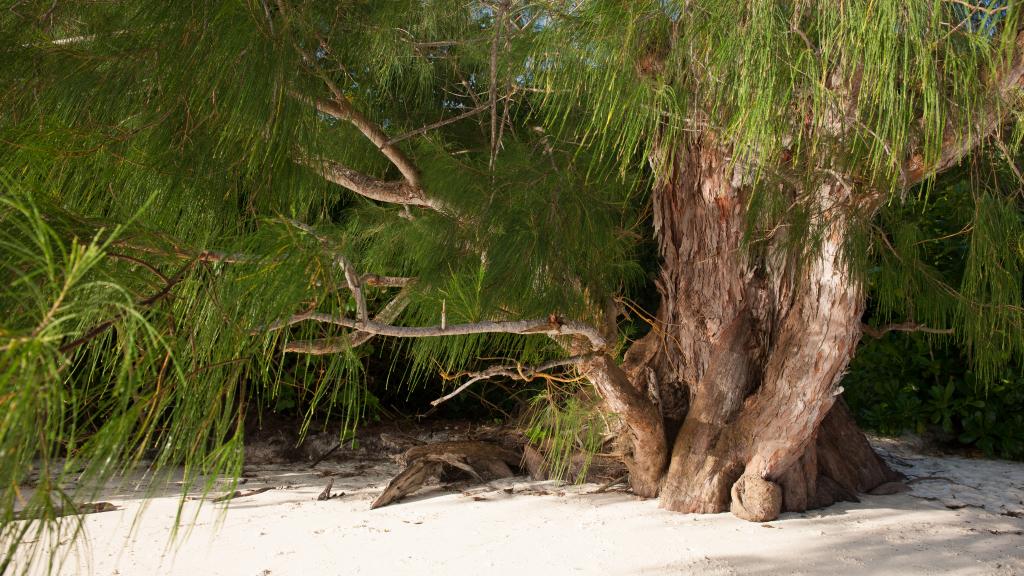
<point>949,259</point>
<point>904,383</point>
<point>669,68</point>
<point>164,212</point>
<point>565,424</point>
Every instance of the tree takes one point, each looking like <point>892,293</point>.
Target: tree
<point>268,185</point>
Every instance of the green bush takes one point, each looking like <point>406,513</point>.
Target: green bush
<point>908,383</point>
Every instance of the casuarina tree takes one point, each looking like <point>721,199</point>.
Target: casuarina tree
<point>206,203</point>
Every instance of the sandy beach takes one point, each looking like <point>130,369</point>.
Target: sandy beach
<point>961,516</point>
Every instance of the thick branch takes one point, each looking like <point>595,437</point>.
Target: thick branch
<point>340,108</point>
<point>392,192</point>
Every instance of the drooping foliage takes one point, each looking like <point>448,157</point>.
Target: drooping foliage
<point>162,153</point>
<point>165,208</point>
<point>802,90</point>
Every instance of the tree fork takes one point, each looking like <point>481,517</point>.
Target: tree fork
<point>760,344</point>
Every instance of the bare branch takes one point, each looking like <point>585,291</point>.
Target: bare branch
<point>543,326</point>
<point>386,281</point>
<point>203,256</point>
<point>902,327</point>
<point>352,279</point>
<point>499,23</point>
<point>517,372</point>
<point>393,192</point>
<point>341,109</point>
<point>438,124</point>
<point>321,346</point>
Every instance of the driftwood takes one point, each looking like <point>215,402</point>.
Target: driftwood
<point>326,493</point>
<point>479,460</point>
<point>238,494</point>
<point>73,510</point>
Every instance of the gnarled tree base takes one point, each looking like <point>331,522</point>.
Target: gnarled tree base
<point>836,466</point>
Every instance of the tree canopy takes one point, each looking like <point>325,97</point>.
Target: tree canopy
<point>205,203</point>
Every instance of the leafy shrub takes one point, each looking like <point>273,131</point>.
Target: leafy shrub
<point>908,383</point>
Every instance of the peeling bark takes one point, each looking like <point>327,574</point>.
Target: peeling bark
<point>643,421</point>
<point>757,342</point>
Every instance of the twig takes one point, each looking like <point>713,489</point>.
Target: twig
<point>517,372</point>
<point>140,262</point>
<point>604,487</point>
<point>107,324</point>
<point>438,124</point>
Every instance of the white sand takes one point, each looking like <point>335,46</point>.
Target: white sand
<point>530,528</point>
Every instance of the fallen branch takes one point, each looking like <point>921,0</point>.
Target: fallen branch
<point>325,455</point>
<point>238,494</point>
<point>71,510</point>
<point>479,460</point>
<point>604,487</point>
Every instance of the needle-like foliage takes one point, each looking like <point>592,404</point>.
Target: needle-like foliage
<point>203,202</point>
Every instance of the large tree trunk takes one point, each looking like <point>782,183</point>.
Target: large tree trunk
<point>749,350</point>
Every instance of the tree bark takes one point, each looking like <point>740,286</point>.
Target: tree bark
<point>755,340</point>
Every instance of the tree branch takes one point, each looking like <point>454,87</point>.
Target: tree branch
<point>352,279</point>
<point>386,281</point>
<point>902,327</point>
<point>149,301</point>
<point>955,148</point>
<point>341,109</point>
<point>392,192</point>
<point>499,20</point>
<point>517,372</point>
<point>545,326</point>
<point>321,346</point>
<point>438,124</point>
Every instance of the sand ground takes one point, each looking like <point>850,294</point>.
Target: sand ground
<point>962,516</point>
